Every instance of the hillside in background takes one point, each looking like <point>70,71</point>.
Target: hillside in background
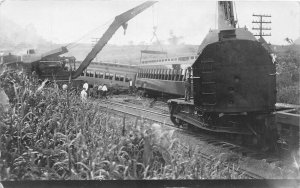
<point>17,39</point>
<point>297,41</point>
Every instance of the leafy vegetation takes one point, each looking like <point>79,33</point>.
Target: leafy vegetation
<point>49,134</point>
<point>288,69</point>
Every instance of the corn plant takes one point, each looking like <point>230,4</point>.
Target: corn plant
<point>50,134</point>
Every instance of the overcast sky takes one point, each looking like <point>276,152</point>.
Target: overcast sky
<point>65,21</point>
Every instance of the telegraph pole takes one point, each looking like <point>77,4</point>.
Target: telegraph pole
<point>261,24</point>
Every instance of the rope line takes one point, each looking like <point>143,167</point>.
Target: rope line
<point>75,43</point>
<point>154,26</point>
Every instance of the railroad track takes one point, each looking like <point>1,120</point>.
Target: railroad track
<point>287,118</point>
<point>137,108</point>
<point>121,108</point>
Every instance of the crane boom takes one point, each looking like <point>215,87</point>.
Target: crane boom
<point>226,15</point>
<point>120,20</point>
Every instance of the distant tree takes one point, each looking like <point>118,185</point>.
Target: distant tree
<point>290,41</point>
<point>131,43</point>
<point>142,43</point>
<point>288,68</point>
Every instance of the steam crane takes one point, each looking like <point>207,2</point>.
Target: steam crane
<point>234,85</point>
<point>51,66</point>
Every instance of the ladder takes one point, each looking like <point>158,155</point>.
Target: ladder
<point>208,91</point>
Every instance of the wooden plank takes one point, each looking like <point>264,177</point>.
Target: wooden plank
<point>287,118</point>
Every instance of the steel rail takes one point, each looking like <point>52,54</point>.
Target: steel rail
<point>136,108</point>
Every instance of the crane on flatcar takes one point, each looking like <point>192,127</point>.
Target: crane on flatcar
<point>51,66</point>
<point>233,83</point>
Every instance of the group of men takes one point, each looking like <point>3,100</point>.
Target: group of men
<point>97,91</point>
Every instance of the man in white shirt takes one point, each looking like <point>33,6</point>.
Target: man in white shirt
<point>65,87</point>
<point>104,91</point>
<point>86,86</point>
<point>99,91</point>
<point>83,93</point>
<point>130,87</point>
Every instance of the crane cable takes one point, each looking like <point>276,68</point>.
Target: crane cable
<point>75,43</point>
<point>154,26</point>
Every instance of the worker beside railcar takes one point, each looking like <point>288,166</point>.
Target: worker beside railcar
<point>130,86</point>
<point>99,91</point>
<point>95,89</point>
<point>65,87</point>
<point>110,88</point>
<point>83,93</point>
<point>104,91</point>
<point>187,85</point>
<point>90,91</point>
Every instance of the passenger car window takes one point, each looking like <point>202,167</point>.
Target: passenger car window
<point>106,76</point>
<point>122,78</point>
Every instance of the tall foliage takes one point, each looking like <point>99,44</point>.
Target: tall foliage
<point>49,134</point>
<point>288,69</point>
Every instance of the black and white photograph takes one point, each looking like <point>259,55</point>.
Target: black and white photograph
<point>137,93</point>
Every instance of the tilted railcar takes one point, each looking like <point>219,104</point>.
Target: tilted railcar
<point>116,76</point>
<point>164,76</point>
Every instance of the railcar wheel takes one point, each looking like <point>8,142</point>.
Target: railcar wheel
<point>174,108</point>
<point>176,121</point>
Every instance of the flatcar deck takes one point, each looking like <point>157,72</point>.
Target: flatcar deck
<point>182,101</point>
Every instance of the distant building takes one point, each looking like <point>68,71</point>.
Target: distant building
<point>10,61</point>
<point>4,59</point>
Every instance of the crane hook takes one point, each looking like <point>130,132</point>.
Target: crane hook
<point>125,27</point>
